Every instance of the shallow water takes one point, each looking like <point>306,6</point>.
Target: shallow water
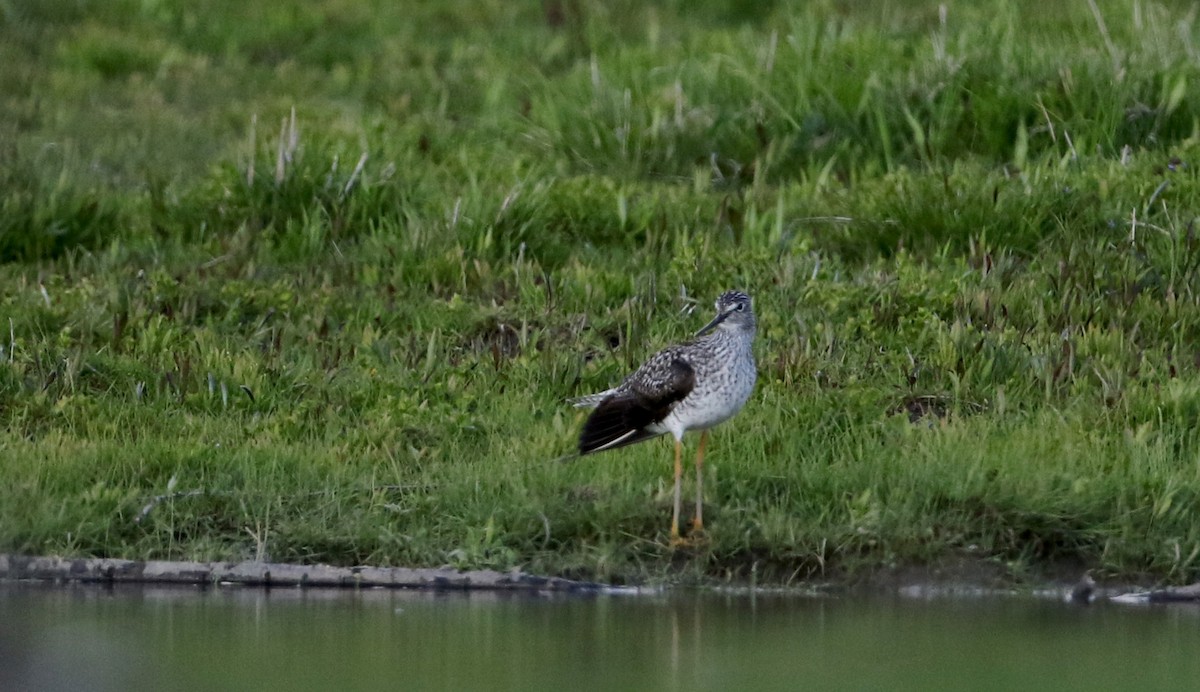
<point>96,638</point>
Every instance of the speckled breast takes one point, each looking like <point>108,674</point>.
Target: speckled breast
<point>723,385</point>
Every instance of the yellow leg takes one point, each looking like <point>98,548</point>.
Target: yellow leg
<point>698,520</point>
<point>678,478</point>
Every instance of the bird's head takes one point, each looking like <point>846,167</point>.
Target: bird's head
<point>734,312</point>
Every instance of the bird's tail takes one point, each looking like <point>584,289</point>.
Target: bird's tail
<point>589,401</point>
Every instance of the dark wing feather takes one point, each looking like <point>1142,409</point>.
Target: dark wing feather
<point>646,398</point>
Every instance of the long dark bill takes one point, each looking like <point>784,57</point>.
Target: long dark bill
<point>712,325</point>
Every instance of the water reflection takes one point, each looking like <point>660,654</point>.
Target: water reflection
<point>83,637</point>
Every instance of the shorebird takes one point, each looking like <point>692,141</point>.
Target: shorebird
<point>690,386</point>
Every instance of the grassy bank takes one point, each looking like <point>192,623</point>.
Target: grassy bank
<point>312,283</point>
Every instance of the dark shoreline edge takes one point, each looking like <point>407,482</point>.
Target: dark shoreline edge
<point>284,575</point>
<point>269,574</point>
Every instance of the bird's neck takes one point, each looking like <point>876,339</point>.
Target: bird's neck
<point>740,337</point>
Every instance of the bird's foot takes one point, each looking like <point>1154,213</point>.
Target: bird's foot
<point>696,538</point>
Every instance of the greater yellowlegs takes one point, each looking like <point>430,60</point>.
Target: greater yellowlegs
<point>689,386</point>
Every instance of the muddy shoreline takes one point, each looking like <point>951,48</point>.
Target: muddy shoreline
<point>269,574</point>
<point>959,579</point>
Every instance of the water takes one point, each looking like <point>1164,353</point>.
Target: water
<point>95,638</point>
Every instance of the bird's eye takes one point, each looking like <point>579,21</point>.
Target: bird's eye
<point>740,307</point>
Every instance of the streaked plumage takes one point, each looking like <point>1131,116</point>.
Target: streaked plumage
<point>691,386</point>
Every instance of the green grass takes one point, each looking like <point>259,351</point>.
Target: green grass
<point>347,335</point>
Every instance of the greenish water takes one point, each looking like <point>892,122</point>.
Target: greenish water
<point>92,638</point>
